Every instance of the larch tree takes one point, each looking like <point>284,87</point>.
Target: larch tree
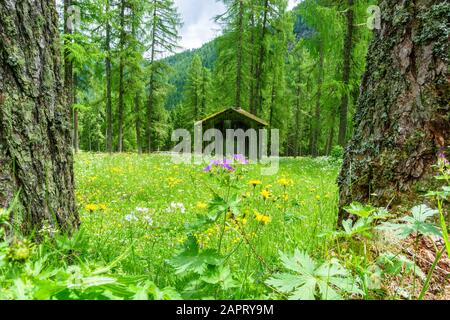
<point>403,112</point>
<point>109,113</point>
<point>121,104</point>
<point>195,90</point>
<point>164,21</point>
<point>36,160</point>
<point>68,69</point>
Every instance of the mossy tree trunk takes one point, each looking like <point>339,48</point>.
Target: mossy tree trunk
<point>403,114</point>
<point>36,158</point>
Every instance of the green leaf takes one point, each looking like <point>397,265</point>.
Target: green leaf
<point>192,260</point>
<point>311,279</point>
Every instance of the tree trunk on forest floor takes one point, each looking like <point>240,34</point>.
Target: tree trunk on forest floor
<point>36,160</point>
<point>403,113</point>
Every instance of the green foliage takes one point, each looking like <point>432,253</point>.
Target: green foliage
<point>337,153</point>
<point>190,259</point>
<point>311,280</point>
<point>398,264</point>
<point>417,224</point>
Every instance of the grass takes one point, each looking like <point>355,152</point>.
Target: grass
<point>163,201</point>
<point>152,229</point>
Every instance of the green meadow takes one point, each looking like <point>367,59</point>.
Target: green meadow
<point>142,209</point>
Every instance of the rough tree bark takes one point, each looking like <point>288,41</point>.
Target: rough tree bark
<point>403,113</point>
<point>36,160</point>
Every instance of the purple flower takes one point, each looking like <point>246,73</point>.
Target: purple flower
<point>443,158</point>
<point>225,164</point>
<point>240,158</point>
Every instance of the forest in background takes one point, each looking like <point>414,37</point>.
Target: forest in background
<point>300,70</point>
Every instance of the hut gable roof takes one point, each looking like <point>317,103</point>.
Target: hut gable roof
<point>239,111</point>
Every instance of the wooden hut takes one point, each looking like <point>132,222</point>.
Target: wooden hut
<point>232,118</point>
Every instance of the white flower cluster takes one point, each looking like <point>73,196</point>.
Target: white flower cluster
<point>140,214</point>
<point>175,207</point>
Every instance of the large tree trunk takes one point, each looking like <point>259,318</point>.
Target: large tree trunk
<point>36,159</point>
<point>403,113</point>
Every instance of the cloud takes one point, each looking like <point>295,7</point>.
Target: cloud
<point>198,18</point>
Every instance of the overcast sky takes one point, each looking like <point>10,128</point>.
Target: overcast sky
<point>198,18</point>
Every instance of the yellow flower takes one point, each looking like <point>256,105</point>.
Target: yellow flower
<point>255,182</point>
<point>265,194</point>
<point>116,170</point>
<point>91,207</point>
<point>262,218</point>
<point>285,197</point>
<point>20,251</point>
<point>201,205</point>
<point>246,195</point>
<point>285,182</point>
<point>318,198</point>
